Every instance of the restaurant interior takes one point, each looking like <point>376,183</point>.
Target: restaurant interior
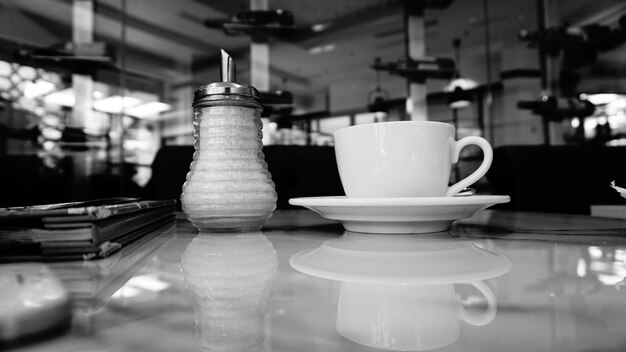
<point>93,90</point>
<point>143,245</point>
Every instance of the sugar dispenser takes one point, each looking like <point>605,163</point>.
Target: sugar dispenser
<point>228,187</point>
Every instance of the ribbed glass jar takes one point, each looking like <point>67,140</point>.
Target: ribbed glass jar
<point>228,187</point>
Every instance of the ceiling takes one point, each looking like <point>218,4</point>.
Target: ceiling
<point>167,41</point>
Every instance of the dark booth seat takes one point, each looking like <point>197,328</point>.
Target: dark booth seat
<point>27,180</point>
<point>563,179</point>
<point>297,171</point>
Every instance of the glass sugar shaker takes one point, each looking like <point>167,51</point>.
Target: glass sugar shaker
<point>228,187</point>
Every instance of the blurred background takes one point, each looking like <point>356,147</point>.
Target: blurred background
<point>91,90</point>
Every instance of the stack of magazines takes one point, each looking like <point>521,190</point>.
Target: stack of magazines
<point>80,230</point>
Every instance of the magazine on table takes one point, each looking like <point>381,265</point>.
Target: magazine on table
<point>91,229</point>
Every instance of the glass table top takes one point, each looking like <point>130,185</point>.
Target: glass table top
<point>499,281</point>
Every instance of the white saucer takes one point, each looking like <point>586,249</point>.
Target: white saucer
<point>400,259</point>
<point>398,215</point>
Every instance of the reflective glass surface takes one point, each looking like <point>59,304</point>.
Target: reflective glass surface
<point>499,281</point>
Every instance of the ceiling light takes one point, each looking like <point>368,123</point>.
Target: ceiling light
<point>98,94</point>
<point>151,109</point>
<point>66,97</point>
<point>63,97</point>
<point>27,72</point>
<point>15,78</point>
<point>462,83</point>
<point>321,49</point>
<point>38,88</point>
<point>115,104</point>
<point>5,68</point>
<point>460,98</point>
<point>600,98</point>
<point>459,104</point>
<point>460,87</point>
<point>320,27</point>
<point>51,133</point>
<point>5,84</point>
<point>618,104</point>
<point>51,120</point>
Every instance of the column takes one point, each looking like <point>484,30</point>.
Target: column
<point>82,32</point>
<point>260,54</point>
<point>416,49</point>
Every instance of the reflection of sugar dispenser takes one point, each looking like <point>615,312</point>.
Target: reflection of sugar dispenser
<point>228,187</point>
<point>228,278</point>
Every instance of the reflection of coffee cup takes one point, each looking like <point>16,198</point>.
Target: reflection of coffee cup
<point>398,291</point>
<point>228,278</point>
<point>404,318</point>
<point>403,159</point>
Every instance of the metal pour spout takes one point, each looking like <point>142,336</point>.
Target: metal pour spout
<point>227,68</point>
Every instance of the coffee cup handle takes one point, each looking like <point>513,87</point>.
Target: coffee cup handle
<point>482,169</point>
<point>488,315</point>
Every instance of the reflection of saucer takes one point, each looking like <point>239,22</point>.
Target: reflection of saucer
<point>398,291</point>
<point>400,259</point>
<point>398,215</point>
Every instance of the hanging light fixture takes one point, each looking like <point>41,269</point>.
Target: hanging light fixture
<point>378,99</point>
<point>460,86</point>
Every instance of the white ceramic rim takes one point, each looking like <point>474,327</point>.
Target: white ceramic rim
<point>343,201</point>
<point>500,266</point>
<point>369,125</point>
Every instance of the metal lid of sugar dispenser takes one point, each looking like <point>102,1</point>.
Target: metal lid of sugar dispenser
<point>227,89</point>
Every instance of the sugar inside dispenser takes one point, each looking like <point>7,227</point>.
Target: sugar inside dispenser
<point>228,187</point>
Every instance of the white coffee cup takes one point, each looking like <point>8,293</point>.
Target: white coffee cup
<point>403,159</point>
<point>407,318</point>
